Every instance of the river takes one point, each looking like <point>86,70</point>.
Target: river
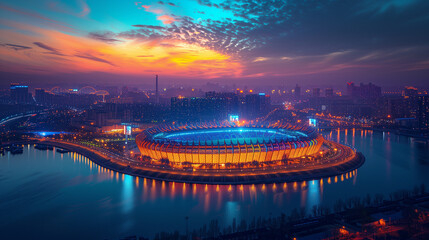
<point>45,194</point>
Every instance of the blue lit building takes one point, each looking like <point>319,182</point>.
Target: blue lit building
<point>19,93</point>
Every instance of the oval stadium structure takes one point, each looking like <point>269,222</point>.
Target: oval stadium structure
<point>228,143</point>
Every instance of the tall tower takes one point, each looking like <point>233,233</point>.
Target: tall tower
<point>157,93</point>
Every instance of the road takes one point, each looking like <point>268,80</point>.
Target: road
<point>241,176</point>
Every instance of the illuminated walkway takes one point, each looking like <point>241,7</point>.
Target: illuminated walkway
<point>349,161</point>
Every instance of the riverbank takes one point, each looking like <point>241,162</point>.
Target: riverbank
<point>276,176</point>
<point>406,133</point>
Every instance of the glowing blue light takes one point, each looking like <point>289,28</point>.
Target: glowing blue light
<point>127,194</point>
<point>233,118</point>
<point>261,94</point>
<point>312,122</point>
<point>45,133</point>
<point>234,134</point>
<point>18,86</point>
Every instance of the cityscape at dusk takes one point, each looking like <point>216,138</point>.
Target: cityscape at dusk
<point>214,119</point>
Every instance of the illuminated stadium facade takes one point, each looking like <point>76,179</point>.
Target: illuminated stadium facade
<point>227,143</point>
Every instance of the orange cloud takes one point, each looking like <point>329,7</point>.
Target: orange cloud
<point>148,8</point>
<point>83,54</point>
<point>166,19</point>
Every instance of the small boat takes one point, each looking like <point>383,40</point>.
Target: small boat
<point>41,147</point>
<point>16,149</point>
<point>60,150</point>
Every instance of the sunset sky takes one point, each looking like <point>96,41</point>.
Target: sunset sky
<point>255,42</point>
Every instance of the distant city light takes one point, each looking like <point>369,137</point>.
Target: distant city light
<point>312,122</point>
<point>45,133</point>
<point>127,130</point>
<point>18,86</point>
<point>233,118</point>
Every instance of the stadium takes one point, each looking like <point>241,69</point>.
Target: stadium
<point>226,143</point>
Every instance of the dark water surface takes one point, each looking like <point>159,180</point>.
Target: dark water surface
<point>52,195</point>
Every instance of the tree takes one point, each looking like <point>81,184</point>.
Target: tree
<point>378,198</point>
<point>243,225</point>
<point>314,210</point>
<point>339,206</point>
<point>164,161</point>
<point>368,200</point>
<point>294,215</point>
<point>422,188</point>
<point>285,159</point>
<point>186,164</point>
<point>302,212</point>
<point>234,225</point>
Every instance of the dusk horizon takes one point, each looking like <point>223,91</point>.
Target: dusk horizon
<point>261,42</point>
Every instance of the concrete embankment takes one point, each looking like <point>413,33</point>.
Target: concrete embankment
<point>281,176</point>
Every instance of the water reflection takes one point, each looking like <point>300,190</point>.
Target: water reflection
<point>122,200</point>
<point>216,196</point>
<point>127,193</point>
<point>314,194</point>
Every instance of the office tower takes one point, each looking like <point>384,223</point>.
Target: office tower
<point>329,92</point>
<point>40,95</point>
<point>157,92</point>
<point>351,89</point>
<point>423,112</point>
<point>19,93</point>
<point>316,92</point>
<point>297,91</point>
<point>368,91</point>
<point>410,95</point>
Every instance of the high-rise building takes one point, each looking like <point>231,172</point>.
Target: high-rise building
<point>316,92</point>
<point>423,112</point>
<point>297,91</point>
<point>218,105</point>
<point>41,96</point>
<point>19,93</point>
<point>351,89</point>
<point>410,95</point>
<point>157,92</point>
<point>367,91</point>
<point>329,92</point>
<point>256,105</point>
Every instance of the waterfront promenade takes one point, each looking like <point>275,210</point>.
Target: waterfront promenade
<point>350,162</point>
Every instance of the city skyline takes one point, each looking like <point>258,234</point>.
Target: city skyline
<point>244,42</point>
